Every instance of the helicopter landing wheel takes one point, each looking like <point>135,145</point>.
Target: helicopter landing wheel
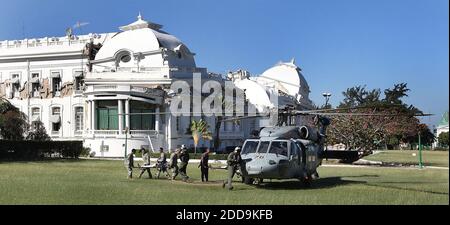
<point>247,180</point>
<point>258,181</point>
<point>306,181</point>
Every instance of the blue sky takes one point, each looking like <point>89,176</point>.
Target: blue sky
<point>338,44</point>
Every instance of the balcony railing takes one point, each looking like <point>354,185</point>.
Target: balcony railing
<point>143,133</point>
<point>154,69</point>
<point>26,43</point>
<point>106,132</point>
<point>133,133</point>
<point>104,87</point>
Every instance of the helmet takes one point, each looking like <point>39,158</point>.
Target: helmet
<point>237,149</point>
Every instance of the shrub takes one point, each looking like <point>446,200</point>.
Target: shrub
<point>85,152</point>
<point>32,150</point>
<point>441,149</point>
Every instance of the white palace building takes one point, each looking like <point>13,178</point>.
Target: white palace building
<point>85,88</point>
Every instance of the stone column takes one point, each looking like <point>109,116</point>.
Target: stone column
<point>169,131</point>
<point>93,113</point>
<point>88,116</point>
<point>127,112</point>
<point>120,114</point>
<point>157,119</point>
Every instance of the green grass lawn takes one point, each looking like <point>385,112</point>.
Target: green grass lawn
<point>104,182</point>
<point>430,158</point>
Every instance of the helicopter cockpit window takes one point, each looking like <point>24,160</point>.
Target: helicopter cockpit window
<point>263,147</point>
<point>250,147</point>
<point>279,148</point>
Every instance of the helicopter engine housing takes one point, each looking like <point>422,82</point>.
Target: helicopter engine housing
<point>309,133</point>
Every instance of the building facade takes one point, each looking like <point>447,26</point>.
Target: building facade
<point>441,127</point>
<point>112,90</point>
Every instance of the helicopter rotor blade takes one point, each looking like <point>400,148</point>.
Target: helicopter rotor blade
<point>367,114</point>
<point>337,109</point>
<point>242,118</point>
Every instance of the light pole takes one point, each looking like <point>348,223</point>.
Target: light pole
<point>420,153</point>
<point>327,96</point>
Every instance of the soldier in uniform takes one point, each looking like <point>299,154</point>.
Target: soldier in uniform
<point>146,159</point>
<point>129,163</point>
<point>184,158</point>
<point>162,163</point>
<point>233,161</point>
<point>204,165</point>
<point>173,163</point>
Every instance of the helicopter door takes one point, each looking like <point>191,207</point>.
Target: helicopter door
<point>294,160</point>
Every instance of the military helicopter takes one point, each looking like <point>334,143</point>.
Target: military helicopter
<point>292,152</point>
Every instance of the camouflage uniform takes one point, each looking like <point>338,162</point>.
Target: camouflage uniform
<point>184,157</point>
<point>173,164</point>
<point>204,166</point>
<point>162,165</point>
<point>233,162</point>
<point>129,164</point>
<point>146,158</point>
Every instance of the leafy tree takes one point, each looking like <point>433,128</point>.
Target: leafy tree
<point>38,133</point>
<point>426,135</point>
<point>359,96</point>
<point>13,123</point>
<point>395,95</point>
<point>386,121</point>
<point>443,139</point>
<point>199,129</point>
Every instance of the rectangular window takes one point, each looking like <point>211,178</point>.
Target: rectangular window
<point>35,112</point>
<point>78,79</point>
<point>34,89</point>
<point>78,119</point>
<point>56,119</point>
<point>56,85</point>
<point>279,148</point>
<point>56,82</point>
<point>35,117</point>
<point>250,147</point>
<point>263,147</point>
<point>56,111</point>
<point>15,80</point>
<point>144,117</point>
<point>56,126</point>
<point>15,90</point>
<point>35,84</point>
<point>107,115</point>
<point>78,83</point>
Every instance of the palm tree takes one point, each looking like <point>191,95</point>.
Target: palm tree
<point>199,129</point>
